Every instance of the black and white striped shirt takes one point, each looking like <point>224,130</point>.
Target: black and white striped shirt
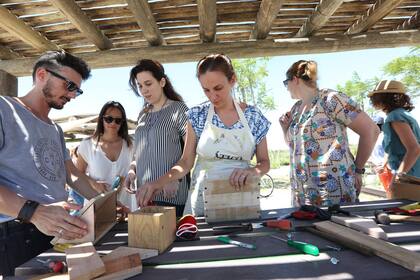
<point>157,146</point>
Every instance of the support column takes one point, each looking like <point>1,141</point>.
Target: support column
<point>8,84</point>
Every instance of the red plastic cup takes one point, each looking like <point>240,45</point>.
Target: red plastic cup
<point>385,177</point>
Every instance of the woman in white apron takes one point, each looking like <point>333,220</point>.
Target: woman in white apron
<point>223,134</point>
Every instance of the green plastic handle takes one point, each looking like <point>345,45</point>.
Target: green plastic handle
<point>304,247</point>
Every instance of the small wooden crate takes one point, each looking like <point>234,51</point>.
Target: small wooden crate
<point>405,186</point>
<point>100,215</point>
<point>223,203</point>
<point>152,227</point>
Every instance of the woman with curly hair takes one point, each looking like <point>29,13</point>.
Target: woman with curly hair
<point>401,130</point>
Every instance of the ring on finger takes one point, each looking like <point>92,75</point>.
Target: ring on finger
<point>60,231</point>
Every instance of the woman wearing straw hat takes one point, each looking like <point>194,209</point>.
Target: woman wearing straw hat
<point>401,130</point>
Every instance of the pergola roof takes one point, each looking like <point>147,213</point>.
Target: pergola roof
<point>110,33</point>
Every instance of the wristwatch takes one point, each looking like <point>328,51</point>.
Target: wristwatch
<point>360,170</point>
<point>27,211</point>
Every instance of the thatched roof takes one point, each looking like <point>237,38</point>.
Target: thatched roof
<point>110,33</point>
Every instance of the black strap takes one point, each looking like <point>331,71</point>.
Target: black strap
<point>27,211</point>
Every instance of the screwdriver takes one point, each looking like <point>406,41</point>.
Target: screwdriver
<point>301,246</point>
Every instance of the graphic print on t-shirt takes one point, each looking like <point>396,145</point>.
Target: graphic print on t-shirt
<point>48,159</point>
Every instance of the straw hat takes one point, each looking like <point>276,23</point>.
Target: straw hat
<point>388,86</point>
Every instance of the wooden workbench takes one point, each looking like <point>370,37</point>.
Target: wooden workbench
<point>210,259</point>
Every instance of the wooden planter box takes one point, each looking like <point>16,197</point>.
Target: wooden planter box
<point>100,215</point>
<point>407,187</point>
<point>223,203</point>
<point>152,227</point>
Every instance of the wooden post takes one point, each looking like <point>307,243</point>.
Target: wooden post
<point>8,84</point>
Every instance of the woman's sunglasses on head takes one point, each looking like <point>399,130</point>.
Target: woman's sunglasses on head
<point>71,86</point>
<point>109,119</point>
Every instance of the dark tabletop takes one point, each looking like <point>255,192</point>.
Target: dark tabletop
<point>208,258</point>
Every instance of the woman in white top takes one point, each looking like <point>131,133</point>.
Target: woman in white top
<point>108,152</point>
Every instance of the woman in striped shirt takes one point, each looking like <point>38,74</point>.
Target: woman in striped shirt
<point>222,133</point>
<point>160,133</point>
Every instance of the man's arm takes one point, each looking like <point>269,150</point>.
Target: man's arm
<point>50,219</point>
<point>82,183</point>
<point>10,202</point>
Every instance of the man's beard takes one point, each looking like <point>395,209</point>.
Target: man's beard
<point>46,90</point>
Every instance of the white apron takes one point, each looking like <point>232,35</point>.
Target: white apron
<point>219,152</point>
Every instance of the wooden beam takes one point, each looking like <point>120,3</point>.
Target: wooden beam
<point>193,52</point>
<point>267,13</point>
<point>6,53</point>
<point>19,29</point>
<point>8,84</point>
<point>375,13</point>
<point>323,11</point>
<point>207,16</point>
<point>411,23</point>
<point>146,21</point>
<point>82,22</point>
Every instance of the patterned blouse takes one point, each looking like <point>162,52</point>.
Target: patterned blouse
<point>322,166</point>
<point>257,122</point>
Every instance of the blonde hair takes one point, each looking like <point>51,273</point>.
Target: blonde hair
<point>306,70</point>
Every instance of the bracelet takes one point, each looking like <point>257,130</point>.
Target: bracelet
<point>27,211</point>
<point>360,170</point>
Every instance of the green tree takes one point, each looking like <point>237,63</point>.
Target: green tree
<point>358,89</point>
<point>407,70</point>
<point>250,87</point>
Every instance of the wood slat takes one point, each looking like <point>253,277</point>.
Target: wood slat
<point>383,249</point>
<point>79,19</point>
<point>184,53</point>
<point>146,21</point>
<point>411,23</point>
<point>268,11</point>
<point>318,19</point>
<point>207,16</point>
<point>378,11</point>
<point>6,53</point>
<point>19,29</point>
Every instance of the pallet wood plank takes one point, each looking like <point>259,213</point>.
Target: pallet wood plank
<point>367,226</point>
<point>381,248</point>
<point>121,265</point>
<point>223,203</point>
<point>83,262</point>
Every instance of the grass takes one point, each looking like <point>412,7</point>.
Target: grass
<point>279,158</point>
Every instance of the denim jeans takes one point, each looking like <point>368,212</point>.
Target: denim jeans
<point>18,244</point>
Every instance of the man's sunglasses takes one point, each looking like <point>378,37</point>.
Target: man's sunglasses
<point>71,86</point>
<point>286,82</point>
<point>109,119</point>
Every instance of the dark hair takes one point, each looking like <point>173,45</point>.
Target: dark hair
<point>54,60</point>
<point>305,70</point>
<point>216,62</point>
<point>122,132</point>
<point>158,72</point>
<point>389,101</point>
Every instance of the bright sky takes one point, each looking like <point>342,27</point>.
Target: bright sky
<point>334,68</point>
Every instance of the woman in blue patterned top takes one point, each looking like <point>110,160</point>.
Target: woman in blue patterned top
<point>401,130</point>
<point>222,133</point>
